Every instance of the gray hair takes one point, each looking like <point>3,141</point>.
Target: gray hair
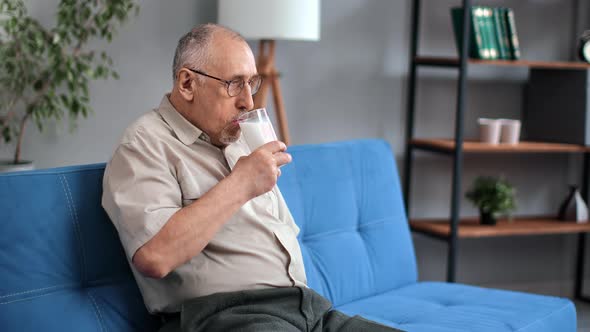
<point>193,48</point>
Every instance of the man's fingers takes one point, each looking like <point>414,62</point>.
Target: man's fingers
<point>274,146</point>
<point>282,158</point>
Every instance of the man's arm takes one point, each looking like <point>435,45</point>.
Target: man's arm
<point>191,228</point>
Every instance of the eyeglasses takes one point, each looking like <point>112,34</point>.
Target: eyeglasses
<point>235,87</point>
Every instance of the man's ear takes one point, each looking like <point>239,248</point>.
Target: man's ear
<point>185,84</point>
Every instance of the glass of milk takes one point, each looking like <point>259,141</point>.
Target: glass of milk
<point>256,128</point>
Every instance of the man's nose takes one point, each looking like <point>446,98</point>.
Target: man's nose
<point>244,100</point>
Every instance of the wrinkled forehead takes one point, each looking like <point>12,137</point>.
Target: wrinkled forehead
<point>230,57</point>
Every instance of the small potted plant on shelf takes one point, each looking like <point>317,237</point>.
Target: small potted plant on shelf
<point>493,197</point>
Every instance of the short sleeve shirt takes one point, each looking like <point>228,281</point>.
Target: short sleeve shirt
<point>164,163</point>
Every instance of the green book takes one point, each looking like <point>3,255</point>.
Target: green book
<point>490,33</point>
<point>479,15</point>
<point>512,35</point>
<point>476,42</point>
<point>505,33</point>
<point>501,36</point>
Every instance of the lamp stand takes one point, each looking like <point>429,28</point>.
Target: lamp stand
<point>265,65</point>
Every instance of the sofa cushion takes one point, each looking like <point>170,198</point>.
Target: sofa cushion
<point>446,307</point>
<point>354,236</point>
<point>62,266</point>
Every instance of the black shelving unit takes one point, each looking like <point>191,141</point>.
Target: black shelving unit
<point>455,149</point>
<point>458,151</point>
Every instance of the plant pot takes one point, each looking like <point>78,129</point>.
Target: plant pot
<point>9,166</point>
<point>487,218</point>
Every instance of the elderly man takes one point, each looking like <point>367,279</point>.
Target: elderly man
<point>209,237</point>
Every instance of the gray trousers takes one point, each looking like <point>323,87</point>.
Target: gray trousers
<point>276,309</point>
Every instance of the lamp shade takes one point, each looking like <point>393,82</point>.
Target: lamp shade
<point>272,19</point>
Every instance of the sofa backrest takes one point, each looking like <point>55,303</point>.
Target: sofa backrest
<point>347,201</point>
<point>62,267</point>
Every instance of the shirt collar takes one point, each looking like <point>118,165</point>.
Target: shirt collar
<point>186,132</point>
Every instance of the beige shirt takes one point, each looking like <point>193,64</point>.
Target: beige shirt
<point>163,164</point>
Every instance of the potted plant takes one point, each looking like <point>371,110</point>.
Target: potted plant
<point>44,72</point>
<point>492,196</point>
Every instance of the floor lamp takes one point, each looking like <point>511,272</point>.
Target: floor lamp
<point>268,21</point>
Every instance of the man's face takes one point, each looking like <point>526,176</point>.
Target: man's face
<point>230,59</point>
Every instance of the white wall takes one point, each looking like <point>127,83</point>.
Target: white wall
<point>350,85</point>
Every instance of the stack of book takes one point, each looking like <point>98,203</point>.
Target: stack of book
<point>493,33</point>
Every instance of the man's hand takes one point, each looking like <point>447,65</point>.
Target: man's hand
<point>259,171</point>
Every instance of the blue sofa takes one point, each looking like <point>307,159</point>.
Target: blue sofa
<point>62,267</point>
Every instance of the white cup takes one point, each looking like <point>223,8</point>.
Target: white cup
<point>489,130</point>
<point>256,128</point>
<point>510,131</point>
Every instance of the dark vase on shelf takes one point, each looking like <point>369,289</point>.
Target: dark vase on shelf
<point>573,207</point>
<point>487,218</point>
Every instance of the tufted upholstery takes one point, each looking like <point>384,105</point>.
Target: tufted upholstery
<point>62,267</point>
<point>349,215</point>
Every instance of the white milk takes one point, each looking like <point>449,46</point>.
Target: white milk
<point>257,134</point>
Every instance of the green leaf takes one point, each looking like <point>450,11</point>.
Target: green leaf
<point>84,88</point>
<point>56,38</point>
<point>7,134</point>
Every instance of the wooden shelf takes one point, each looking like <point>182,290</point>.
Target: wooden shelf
<point>470,227</point>
<point>448,146</point>
<point>454,62</point>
